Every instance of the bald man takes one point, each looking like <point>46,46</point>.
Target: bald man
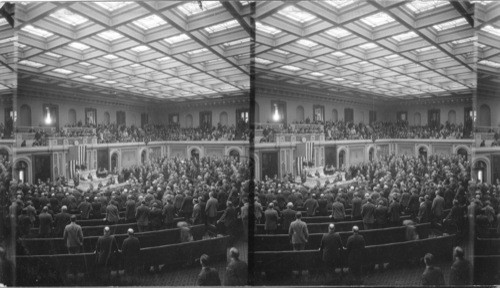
<point>105,249</point>
<point>131,249</point>
<point>331,246</point>
<point>355,252</point>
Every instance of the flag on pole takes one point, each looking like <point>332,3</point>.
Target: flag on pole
<point>76,157</point>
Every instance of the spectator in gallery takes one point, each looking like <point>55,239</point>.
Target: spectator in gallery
<point>331,248</point>
<point>298,233</point>
<point>131,250</point>
<point>73,236</point>
<point>461,269</point>
<point>355,252</point>
<point>208,275</point>
<point>271,216</point>
<point>432,275</point>
<point>236,270</point>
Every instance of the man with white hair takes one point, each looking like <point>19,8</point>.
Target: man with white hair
<point>60,221</point>
<point>131,250</point>
<point>288,216</point>
<point>355,252</point>
<point>236,270</point>
<point>105,249</point>
<point>331,246</point>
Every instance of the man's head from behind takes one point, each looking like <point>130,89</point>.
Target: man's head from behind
<point>331,227</point>
<point>429,259</point>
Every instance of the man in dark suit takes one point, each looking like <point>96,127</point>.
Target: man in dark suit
<point>60,221</point>
<point>237,270</point>
<point>368,214</point>
<point>187,206</point>
<point>169,214</point>
<point>461,271</point>
<point>355,252</point>
<point>229,219</point>
<point>272,218</point>
<point>208,275</point>
<point>356,207</point>
<point>331,246</point>
<point>142,217</point>
<point>437,207</point>
<point>85,208</point>
<point>105,250</point>
<point>211,209</point>
<point>131,249</point>
<point>381,213</point>
<point>432,275</point>
<point>45,223</point>
<point>395,212</point>
<point>322,205</point>
<point>73,236</point>
<point>112,214</point>
<point>288,216</point>
<point>130,209</point>
<point>338,211</point>
<point>311,205</point>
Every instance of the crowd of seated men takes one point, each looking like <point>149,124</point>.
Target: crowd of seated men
<point>485,207</point>
<point>386,189</point>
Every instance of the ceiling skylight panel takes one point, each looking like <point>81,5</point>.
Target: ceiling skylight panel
<point>110,57</point>
<point>405,36</point>
<point>236,42</point>
<point>296,14</point>
<point>378,19</point>
<point>450,24</point>
<point>62,71</point>
<point>53,55</point>
<point>112,6</point>
<point>339,3</point>
<point>491,29</point>
<point>69,17</point>
<point>367,46</point>
<point>317,74</point>
<point>291,68</point>
<point>78,45</point>
<point>141,48</point>
<point>193,7</point>
<point>222,26</point>
<point>338,54</point>
<point>176,39</point>
<point>490,63</point>
<point>312,61</point>
<point>110,35</point>
<point>89,77</point>
<point>110,82</point>
<point>135,65</point>
<point>338,32</point>
<point>263,61</point>
<point>267,29</point>
<point>197,51</point>
<point>465,40</point>
<point>31,64</point>
<point>419,6</point>
<point>424,49</point>
<point>84,63</point>
<point>338,79</point>
<point>37,31</point>
<point>163,59</point>
<point>281,51</point>
<point>149,22</point>
<point>307,43</point>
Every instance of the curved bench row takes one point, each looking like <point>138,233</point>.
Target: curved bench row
<point>281,261</point>
<point>45,246</point>
<point>372,237</point>
<point>487,270</point>
<point>174,255</point>
<point>487,246</point>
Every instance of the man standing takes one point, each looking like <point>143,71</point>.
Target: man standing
<point>73,236</point>
<point>208,275</point>
<point>237,270</point>
<point>395,212</point>
<point>271,216</point>
<point>298,233</point>
<point>331,246</point>
<point>169,214</point>
<point>45,223</point>
<point>130,209</point>
<point>288,216</point>
<point>112,214</point>
<point>311,205</point>
<point>142,217</point>
<point>85,208</point>
<point>131,249</point>
<point>338,211</point>
<point>368,212</point>
<point>460,273</point>
<point>105,249</point>
<point>432,275</point>
<point>355,252</point>
<point>438,207</point>
<point>211,209</point>
<point>60,221</point>
<point>356,207</point>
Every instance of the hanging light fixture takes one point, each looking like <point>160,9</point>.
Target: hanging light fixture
<point>276,115</point>
<point>48,119</point>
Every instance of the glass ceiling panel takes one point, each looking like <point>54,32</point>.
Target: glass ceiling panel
<point>296,14</point>
<point>281,51</point>
<point>193,7</point>
<point>53,55</point>
<point>110,35</point>
<point>141,48</point>
<point>490,63</point>
<point>198,51</point>
<point>89,77</point>
<point>424,49</point>
<point>421,6</point>
<point>491,29</point>
<point>163,59</point>
<point>291,68</point>
<point>405,36</point>
<point>307,43</point>
<point>112,6</point>
<point>37,31</point>
<point>338,54</point>
<point>312,60</point>
<point>450,24</point>
<point>338,79</point>
<point>223,26</point>
<point>236,42</point>
<point>110,57</point>
<point>84,63</point>
<point>465,40</point>
<point>69,17</point>
<point>31,64</point>
<point>338,32</point>
<point>63,71</point>
<point>378,19</point>
<point>263,61</point>
<point>368,46</point>
<point>177,39</point>
<point>149,22</point>
<point>317,74</point>
<point>79,46</point>
<point>267,29</point>
<point>339,3</point>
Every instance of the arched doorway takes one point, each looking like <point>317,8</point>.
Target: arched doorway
<point>72,116</point>
<point>342,156</point>
<point>299,117</point>
<point>235,154</point>
<point>114,162</point>
<point>144,156</point>
<point>25,115</point>
<point>463,152</point>
<point>422,153</point>
<point>195,155</point>
<point>371,154</point>
<point>484,115</point>
<point>21,170</point>
<point>480,171</point>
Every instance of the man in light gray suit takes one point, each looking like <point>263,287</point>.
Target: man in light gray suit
<point>73,236</point>
<point>298,233</point>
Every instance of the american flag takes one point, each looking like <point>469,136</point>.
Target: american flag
<point>305,153</point>
<point>76,156</point>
